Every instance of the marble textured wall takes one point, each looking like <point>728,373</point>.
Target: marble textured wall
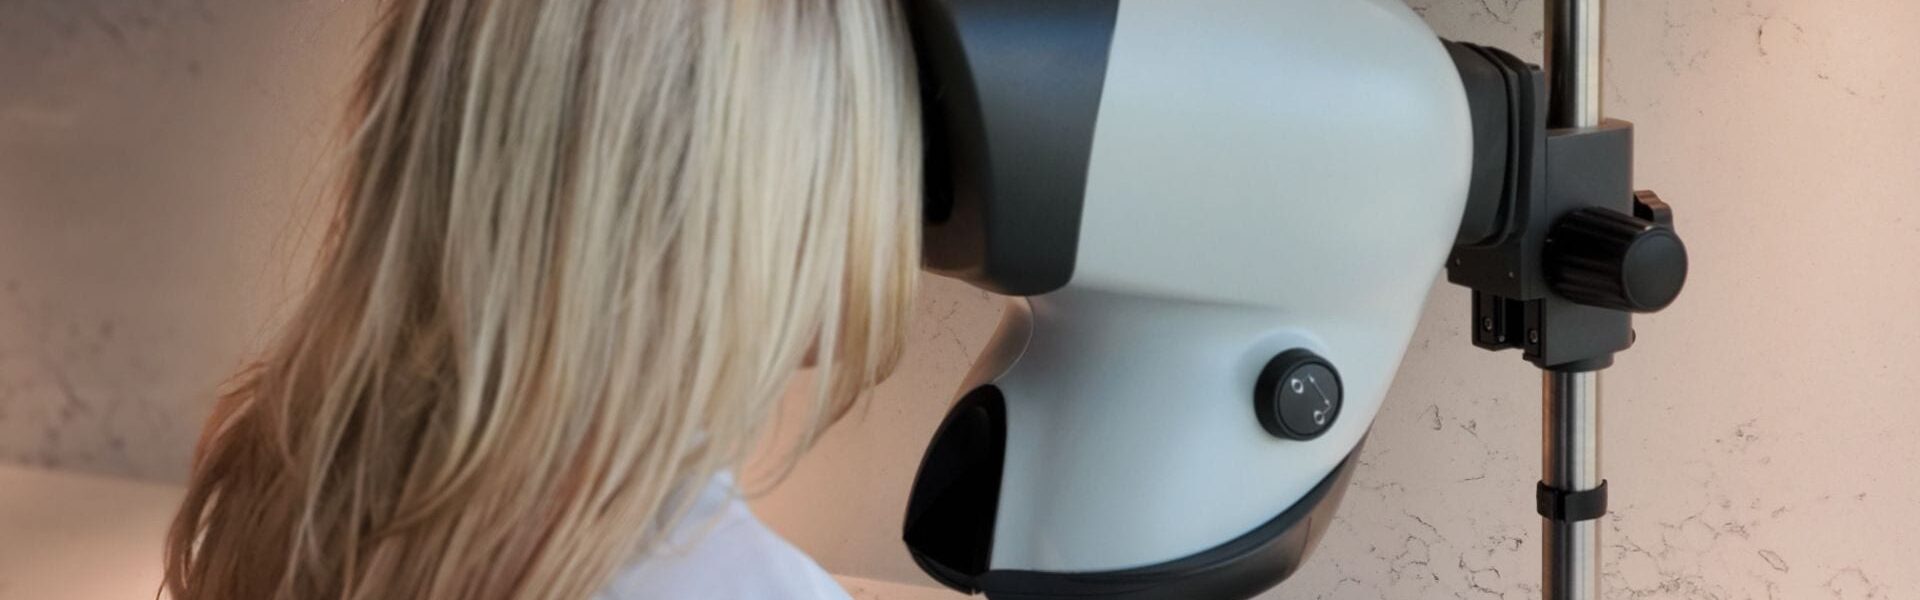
<point>157,161</point>
<point>157,158</point>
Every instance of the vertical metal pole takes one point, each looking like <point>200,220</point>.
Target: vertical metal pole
<point>1570,432</point>
<point>1570,460</point>
<point>1573,63</point>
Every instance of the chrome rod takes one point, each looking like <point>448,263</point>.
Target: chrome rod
<point>1570,419</point>
<point>1570,460</point>
<point>1573,63</point>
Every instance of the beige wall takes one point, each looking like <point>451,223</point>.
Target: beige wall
<point>155,156</point>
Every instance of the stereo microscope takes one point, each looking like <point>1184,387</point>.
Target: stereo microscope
<point>1218,221</point>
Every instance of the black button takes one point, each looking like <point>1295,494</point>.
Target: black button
<point>1298,395</point>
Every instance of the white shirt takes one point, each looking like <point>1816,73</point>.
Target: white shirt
<point>720,551</point>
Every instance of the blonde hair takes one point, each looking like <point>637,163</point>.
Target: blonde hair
<point>582,245</point>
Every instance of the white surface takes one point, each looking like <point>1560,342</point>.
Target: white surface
<point>1250,135</point>
<point>718,549</point>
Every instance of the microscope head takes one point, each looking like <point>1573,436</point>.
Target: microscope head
<point>1220,220</point>
<point>1205,156</point>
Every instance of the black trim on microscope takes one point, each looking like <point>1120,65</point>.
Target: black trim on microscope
<point>955,498</point>
<point>1010,90</point>
<point>1239,569</point>
<point>1499,101</point>
<point>956,493</point>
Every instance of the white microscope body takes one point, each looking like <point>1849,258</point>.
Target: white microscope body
<point>1262,177</point>
<point>1265,176</point>
<point>1221,219</point>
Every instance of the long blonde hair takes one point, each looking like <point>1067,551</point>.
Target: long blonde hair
<point>581,247</point>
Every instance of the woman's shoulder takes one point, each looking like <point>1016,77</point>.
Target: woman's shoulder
<point>719,550</point>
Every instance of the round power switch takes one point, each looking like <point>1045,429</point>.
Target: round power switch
<point>1298,395</point>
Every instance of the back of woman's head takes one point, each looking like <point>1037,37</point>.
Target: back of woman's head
<point>580,248</point>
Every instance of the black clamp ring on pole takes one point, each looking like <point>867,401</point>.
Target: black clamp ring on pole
<point>1560,505</point>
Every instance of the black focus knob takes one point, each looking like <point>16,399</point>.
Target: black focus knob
<point>1298,395</point>
<point>1600,257</point>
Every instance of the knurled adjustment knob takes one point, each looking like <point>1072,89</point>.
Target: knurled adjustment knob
<point>1600,257</point>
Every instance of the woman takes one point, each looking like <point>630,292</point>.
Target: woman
<point>581,247</point>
